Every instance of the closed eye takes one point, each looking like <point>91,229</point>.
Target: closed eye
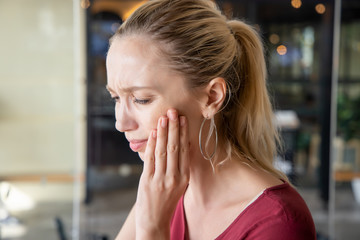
<point>141,101</point>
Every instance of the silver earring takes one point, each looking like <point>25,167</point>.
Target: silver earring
<point>212,128</point>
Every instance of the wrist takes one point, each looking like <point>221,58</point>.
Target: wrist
<point>148,234</point>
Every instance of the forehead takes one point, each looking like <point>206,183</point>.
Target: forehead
<point>134,60</point>
<point>133,48</point>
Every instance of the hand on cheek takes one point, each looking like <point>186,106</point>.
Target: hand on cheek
<point>165,175</point>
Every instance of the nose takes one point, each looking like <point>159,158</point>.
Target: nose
<point>125,121</point>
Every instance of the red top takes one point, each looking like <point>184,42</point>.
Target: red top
<point>279,213</point>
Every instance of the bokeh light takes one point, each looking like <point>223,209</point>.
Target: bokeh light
<point>296,3</point>
<point>281,50</point>
<point>274,38</point>
<point>320,8</point>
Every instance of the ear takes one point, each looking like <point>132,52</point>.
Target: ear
<point>215,93</point>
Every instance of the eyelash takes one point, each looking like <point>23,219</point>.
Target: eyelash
<point>135,100</point>
<point>141,101</point>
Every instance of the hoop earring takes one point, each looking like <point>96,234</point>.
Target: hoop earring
<point>212,128</point>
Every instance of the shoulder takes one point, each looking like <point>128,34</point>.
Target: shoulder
<point>279,213</point>
<point>285,201</point>
<point>285,215</point>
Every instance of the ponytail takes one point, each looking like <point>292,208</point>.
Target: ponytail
<point>255,136</point>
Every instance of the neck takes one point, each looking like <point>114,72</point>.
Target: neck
<point>233,181</point>
<point>206,184</point>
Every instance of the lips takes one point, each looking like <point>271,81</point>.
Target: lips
<point>136,145</point>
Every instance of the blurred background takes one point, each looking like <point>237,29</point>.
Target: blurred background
<point>66,173</point>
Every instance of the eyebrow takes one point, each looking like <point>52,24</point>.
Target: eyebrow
<point>129,89</point>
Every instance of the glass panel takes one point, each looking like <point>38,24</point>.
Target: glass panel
<point>346,162</point>
<point>39,120</point>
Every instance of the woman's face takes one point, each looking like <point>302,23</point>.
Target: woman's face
<point>144,88</point>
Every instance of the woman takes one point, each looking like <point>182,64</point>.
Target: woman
<point>191,98</point>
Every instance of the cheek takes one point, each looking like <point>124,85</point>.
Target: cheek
<point>151,121</point>
<point>149,116</point>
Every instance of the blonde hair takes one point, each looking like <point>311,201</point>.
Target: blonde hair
<point>201,44</point>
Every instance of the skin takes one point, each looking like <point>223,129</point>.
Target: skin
<point>161,118</point>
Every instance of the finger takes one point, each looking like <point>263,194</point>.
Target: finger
<point>160,148</point>
<point>184,160</point>
<point>172,166</point>
<point>149,160</point>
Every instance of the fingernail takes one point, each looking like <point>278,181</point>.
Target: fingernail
<point>182,121</point>
<point>173,115</point>
<point>154,133</point>
<point>163,122</point>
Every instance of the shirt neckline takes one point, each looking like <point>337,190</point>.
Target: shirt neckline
<point>252,202</point>
<point>256,199</point>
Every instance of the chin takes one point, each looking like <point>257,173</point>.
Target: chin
<point>141,155</point>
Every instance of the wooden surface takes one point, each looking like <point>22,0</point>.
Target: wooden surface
<point>42,178</point>
<point>345,176</point>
